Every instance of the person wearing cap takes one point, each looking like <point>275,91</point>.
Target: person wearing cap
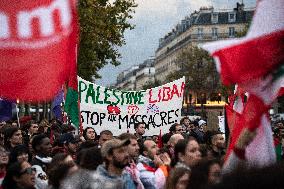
<point>202,125</point>
<point>116,158</point>
<point>217,145</point>
<point>70,144</point>
<point>110,174</point>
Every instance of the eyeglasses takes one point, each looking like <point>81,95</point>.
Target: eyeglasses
<point>29,171</point>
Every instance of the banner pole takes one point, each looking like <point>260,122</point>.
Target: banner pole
<point>18,119</point>
<point>79,113</point>
<point>80,120</point>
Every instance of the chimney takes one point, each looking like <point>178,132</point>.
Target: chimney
<point>240,7</point>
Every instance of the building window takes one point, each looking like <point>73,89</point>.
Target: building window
<point>232,17</point>
<point>214,18</point>
<point>214,33</point>
<point>200,32</point>
<point>231,32</point>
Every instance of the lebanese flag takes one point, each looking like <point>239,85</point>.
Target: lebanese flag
<point>36,47</point>
<point>261,151</point>
<point>257,54</point>
<point>255,63</point>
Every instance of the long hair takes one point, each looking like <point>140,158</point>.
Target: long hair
<point>174,176</point>
<point>58,170</point>
<point>180,147</point>
<point>85,133</point>
<point>91,158</point>
<point>13,170</point>
<point>200,173</point>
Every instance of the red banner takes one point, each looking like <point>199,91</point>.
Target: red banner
<point>37,47</point>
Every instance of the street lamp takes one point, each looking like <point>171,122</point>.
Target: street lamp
<point>219,98</point>
<point>203,100</point>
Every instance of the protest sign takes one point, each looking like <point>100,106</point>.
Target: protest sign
<point>221,123</point>
<point>103,108</point>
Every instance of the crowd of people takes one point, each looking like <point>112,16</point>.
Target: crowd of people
<point>49,155</point>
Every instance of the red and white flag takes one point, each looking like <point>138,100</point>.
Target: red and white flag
<point>256,63</point>
<point>259,52</point>
<point>261,151</point>
<point>36,47</point>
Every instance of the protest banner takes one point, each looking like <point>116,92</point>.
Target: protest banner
<point>103,108</point>
<point>37,48</point>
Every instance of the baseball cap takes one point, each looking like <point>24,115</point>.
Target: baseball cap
<point>68,138</point>
<point>201,122</point>
<point>109,145</point>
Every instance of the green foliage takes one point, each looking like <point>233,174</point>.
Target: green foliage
<point>198,68</point>
<point>102,25</point>
<point>200,72</point>
<point>226,91</point>
<point>244,31</point>
<point>201,75</point>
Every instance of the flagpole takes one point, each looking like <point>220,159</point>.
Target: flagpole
<point>18,119</point>
<point>80,129</point>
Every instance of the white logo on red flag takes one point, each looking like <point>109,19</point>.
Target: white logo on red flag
<point>36,27</point>
<point>37,47</point>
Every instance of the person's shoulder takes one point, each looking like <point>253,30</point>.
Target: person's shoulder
<point>140,166</point>
<point>80,179</point>
<point>35,161</point>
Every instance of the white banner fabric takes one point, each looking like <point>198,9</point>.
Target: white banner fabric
<point>103,108</point>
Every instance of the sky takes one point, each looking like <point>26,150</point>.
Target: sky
<point>153,19</point>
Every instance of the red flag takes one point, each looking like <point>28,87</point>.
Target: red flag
<point>233,118</point>
<point>35,47</point>
<point>255,63</point>
<point>263,51</point>
<point>160,141</point>
<point>281,92</point>
<point>257,56</point>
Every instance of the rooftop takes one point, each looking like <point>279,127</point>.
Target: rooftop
<point>208,16</point>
